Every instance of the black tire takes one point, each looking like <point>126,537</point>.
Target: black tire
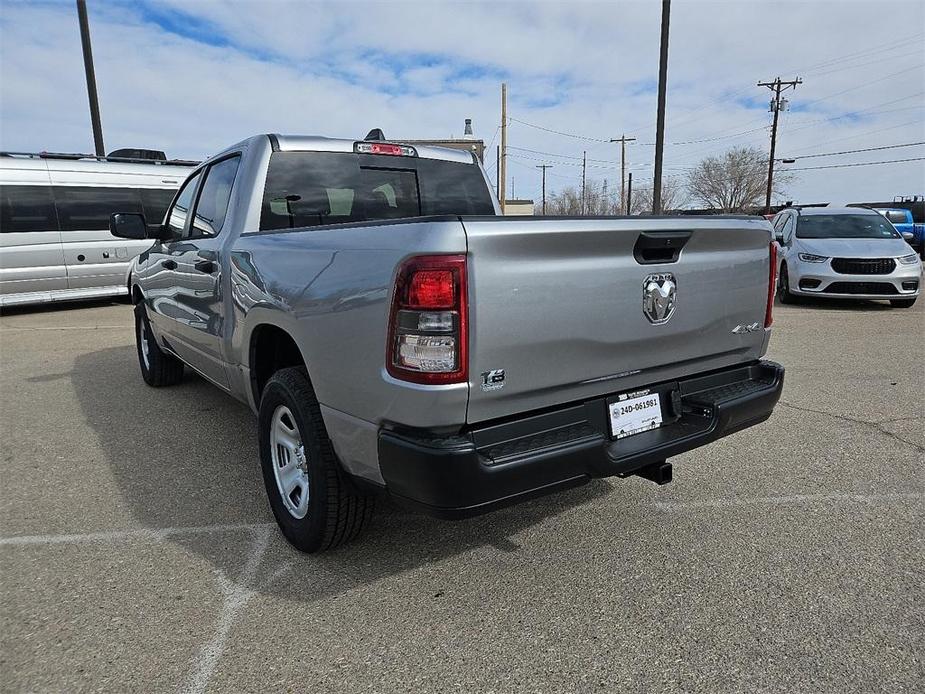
<point>336,511</point>
<point>903,303</point>
<point>783,287</point>
<point>158,368</point>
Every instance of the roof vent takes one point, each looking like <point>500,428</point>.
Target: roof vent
<point>468,132</point>
<point>130,153</point>
<point>375,135</point>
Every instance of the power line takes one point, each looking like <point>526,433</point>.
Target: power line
<point>916,121</point>
<point>854,151</point>
<point>557,132</point>
<point>863,163</point>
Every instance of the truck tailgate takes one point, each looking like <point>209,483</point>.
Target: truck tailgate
<point>557,305</point>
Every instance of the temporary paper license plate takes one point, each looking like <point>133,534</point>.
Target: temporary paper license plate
<point>633,413</point>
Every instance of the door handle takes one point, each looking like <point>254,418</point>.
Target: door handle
<point>169,264</point>
<point>206,266</point>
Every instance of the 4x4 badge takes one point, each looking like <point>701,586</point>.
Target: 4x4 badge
<point>493,380</point>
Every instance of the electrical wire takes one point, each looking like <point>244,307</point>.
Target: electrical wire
<point>863,163</point>
<point>854,151</point>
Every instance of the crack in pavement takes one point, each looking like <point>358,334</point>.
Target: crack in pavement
<point>877,426</point>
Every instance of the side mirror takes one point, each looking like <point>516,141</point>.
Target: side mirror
<point>908,236</point>
<point>128,226</point>
<point>779,236</point>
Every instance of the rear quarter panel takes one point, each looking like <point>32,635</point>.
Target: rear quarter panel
<point>330,288</point>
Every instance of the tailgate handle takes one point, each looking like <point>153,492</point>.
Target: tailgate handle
<point>654,247</point>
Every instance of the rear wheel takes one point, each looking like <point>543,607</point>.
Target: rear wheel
<point>903,303</point>
<point>314,503</point>
<point>783,287</point>
<point>157,367</point>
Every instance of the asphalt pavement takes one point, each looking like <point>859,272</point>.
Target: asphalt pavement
<point>138,552</point>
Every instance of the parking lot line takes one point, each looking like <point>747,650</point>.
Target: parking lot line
<point>128,535</point>
<point>797,499</point>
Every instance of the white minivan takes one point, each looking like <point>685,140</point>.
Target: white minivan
<point>55,243</point>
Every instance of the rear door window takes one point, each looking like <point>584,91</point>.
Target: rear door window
<point>27,208</point>
<point>897,217</point>
<point>84,208</point>
<point>315,188</point>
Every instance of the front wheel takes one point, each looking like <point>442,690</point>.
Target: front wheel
<point>903,303</point>
<point>157,367</point>
<point>783,287</point>
<point>314,503</point>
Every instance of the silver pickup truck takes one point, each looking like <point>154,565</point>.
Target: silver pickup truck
<point>393,332</point>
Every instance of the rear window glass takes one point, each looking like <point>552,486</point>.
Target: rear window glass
<point>313,188</point>
<point>27,208</point>
<point>82,208</point>
<point>897,217</point>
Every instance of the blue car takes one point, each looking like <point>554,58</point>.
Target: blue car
<point>902,220</point>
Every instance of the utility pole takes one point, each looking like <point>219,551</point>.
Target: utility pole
<point>91,78</point>
<point>503,170</point>
<point>584,168</point>
<point>777,86</point>
<point>623,139</point>
<point>498,171</point>
<point>660,120</point>
<point>629,195</point>
<point>544,167</point>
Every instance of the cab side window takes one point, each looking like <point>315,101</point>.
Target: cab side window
<point>212,206</point>
<point>178,214</point>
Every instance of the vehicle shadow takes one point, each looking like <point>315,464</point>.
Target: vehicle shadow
<point>839,304</point>
<point>187,457</point>
<point>74,305</point>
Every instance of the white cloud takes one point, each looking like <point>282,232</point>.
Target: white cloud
<point>192,78</point>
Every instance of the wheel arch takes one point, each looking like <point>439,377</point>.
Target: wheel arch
<point>270,347</point>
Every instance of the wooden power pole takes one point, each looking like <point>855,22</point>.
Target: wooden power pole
<point>629,195</point>
<point>584,168</point>
<point>502,174</point>
<point>623,139</point>
<point>91,78</point>
<point>544,167</point>
<point>660,117</point>
<point>777,86</point>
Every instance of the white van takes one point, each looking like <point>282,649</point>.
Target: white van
<point>55,243</point>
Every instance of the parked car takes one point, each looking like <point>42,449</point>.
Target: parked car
<point>55,243</point>
<point>393,332</point>
<point>839,253</point>
<point>902,220</point>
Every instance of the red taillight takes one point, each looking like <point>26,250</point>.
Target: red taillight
<point>772,285</point>
<point>428,321</point>
<point>432,289</point>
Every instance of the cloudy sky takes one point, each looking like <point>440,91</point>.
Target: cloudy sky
<point>192,76</point>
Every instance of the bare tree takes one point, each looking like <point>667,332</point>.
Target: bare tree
<point>599,200</point>
<point>734,181</point>
<point>673,196</point>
